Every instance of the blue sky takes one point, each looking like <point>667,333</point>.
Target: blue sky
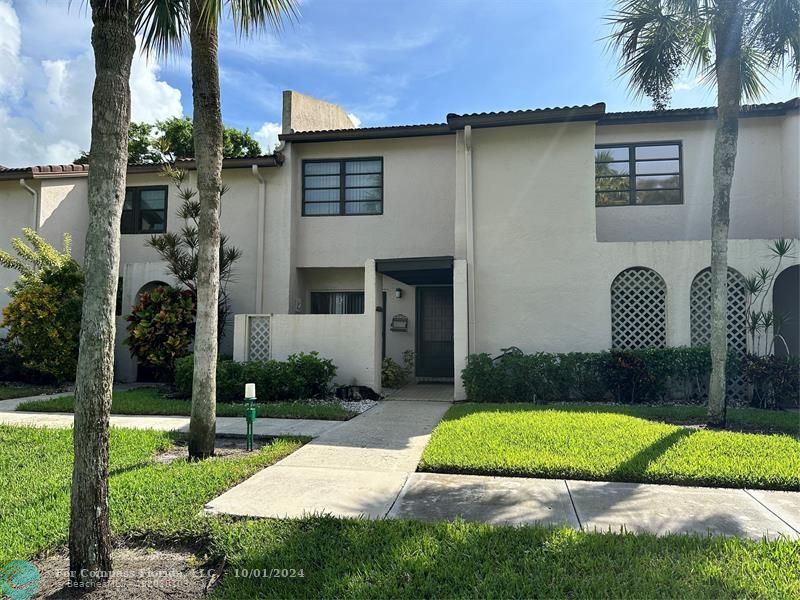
<point>385,61</point>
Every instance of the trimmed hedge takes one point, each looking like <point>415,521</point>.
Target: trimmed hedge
<point>299,377</point>
<point>650,375</point>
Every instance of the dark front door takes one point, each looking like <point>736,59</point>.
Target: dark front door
<point>434,331</point>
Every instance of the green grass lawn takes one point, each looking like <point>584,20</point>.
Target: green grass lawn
<point>358,558</point>
<point>8,392</point>
<point>164,500</point>
<point>405,559</point>
<point>574,441</point>
<point>149,401</point>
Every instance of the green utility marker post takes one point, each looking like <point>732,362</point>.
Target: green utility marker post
<point>250,411</point>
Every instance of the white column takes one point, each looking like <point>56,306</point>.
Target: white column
<point>239,338</point>
<point>373,289</point>
<point>460,326</point>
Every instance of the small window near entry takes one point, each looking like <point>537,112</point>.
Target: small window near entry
<point>352,186</point>
<point>642,173</point>
<point>337,303</point>
<point>145,210</point>
<point>118,310</point>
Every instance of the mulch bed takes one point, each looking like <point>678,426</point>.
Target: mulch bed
<point>224,448</point>
<point>139,572</point>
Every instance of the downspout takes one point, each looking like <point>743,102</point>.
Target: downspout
<point>260,226</point>
<point>470,239</point>
<point>35,196</point>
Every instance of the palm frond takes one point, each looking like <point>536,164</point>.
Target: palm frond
<point>252,16</point>
<point>653,38</point>
<point>776,31</point>
<point>162,25</point>
<point>755,73</point>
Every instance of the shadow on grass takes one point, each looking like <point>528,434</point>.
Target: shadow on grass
<point>635,468</point>
<point>404,559</point>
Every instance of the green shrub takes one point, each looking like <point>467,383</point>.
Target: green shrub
<point>44,319</point>
<point>649,375</point>
<point>775,381</point>
<point>395,375</point>
<point>161,328</point>
<point>301,376</point>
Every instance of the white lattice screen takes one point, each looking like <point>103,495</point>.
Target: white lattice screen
<point>737,310</point>
<point>700,308</point>
<point>638,310</point>
<point>258,338</point>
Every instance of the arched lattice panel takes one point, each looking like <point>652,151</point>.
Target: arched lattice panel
<point>700,311</point>
<point>700,308</point>
<point>638,310</point>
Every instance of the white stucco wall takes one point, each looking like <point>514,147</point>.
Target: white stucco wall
<point>418,205</point>
<point>17,210</point>
<point>542,281</point>
<point>764,198</point>
<point>342,338</point>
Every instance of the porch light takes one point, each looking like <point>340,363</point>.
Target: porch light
<point>398,293</point>
<point>250,411</point>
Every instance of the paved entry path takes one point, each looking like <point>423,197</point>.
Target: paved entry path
<point>357,468</point>
<point>225,425</point>
<point>366,467</point>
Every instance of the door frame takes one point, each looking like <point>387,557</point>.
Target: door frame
<point>418,324</point>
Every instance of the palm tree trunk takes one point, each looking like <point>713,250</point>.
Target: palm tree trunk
<point>89,530</point>
<point>728,32</point>
<point>208,154</point>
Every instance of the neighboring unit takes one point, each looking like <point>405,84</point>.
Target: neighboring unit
<point>563,229</point>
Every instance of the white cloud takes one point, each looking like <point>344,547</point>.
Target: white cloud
<point>267,136</point>
<point>152,99</point>
<point>356,121</point>
<point>10,42</point>
<point>47,116</point>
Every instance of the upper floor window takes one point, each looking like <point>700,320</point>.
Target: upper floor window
<point>145,210</point>
<point>352,186</point>
<point>642,173</point>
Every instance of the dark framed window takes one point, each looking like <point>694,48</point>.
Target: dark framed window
<point>145,210</point>
<point>349,186</point>
<point>337,303</point>
<point>640,173</point>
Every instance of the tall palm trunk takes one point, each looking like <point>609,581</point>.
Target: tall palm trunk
<point>208,154</point>
<point>89,532</point>
<point>728,32</point>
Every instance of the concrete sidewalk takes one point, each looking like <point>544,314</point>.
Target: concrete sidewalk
<point>225,425</point>
<point>366,467</point>
<point>356,469</point>
<point>600,506</point>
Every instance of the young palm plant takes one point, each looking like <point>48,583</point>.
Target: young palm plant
<point>164,25</point>
<point>734,44</point>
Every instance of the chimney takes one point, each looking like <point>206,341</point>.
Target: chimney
<point>304,113</point>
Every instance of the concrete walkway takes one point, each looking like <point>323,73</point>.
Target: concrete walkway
<point>366,467</point>
<point>358,468</point>
<point>225,425</point>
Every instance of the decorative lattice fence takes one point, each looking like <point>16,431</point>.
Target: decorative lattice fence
<point>258,338</point>
<point>700,309</point>
<point>638,310</point>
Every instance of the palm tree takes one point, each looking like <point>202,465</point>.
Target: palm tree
<point>734,44</point>
<point>164,25</point>
<point>89,531</point>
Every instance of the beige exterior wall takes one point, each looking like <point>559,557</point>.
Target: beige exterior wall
<point>764,198</point>
<point>542,280</point>
<point>545,257</point>
<point>418,205</point>
<point>304,113</point>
